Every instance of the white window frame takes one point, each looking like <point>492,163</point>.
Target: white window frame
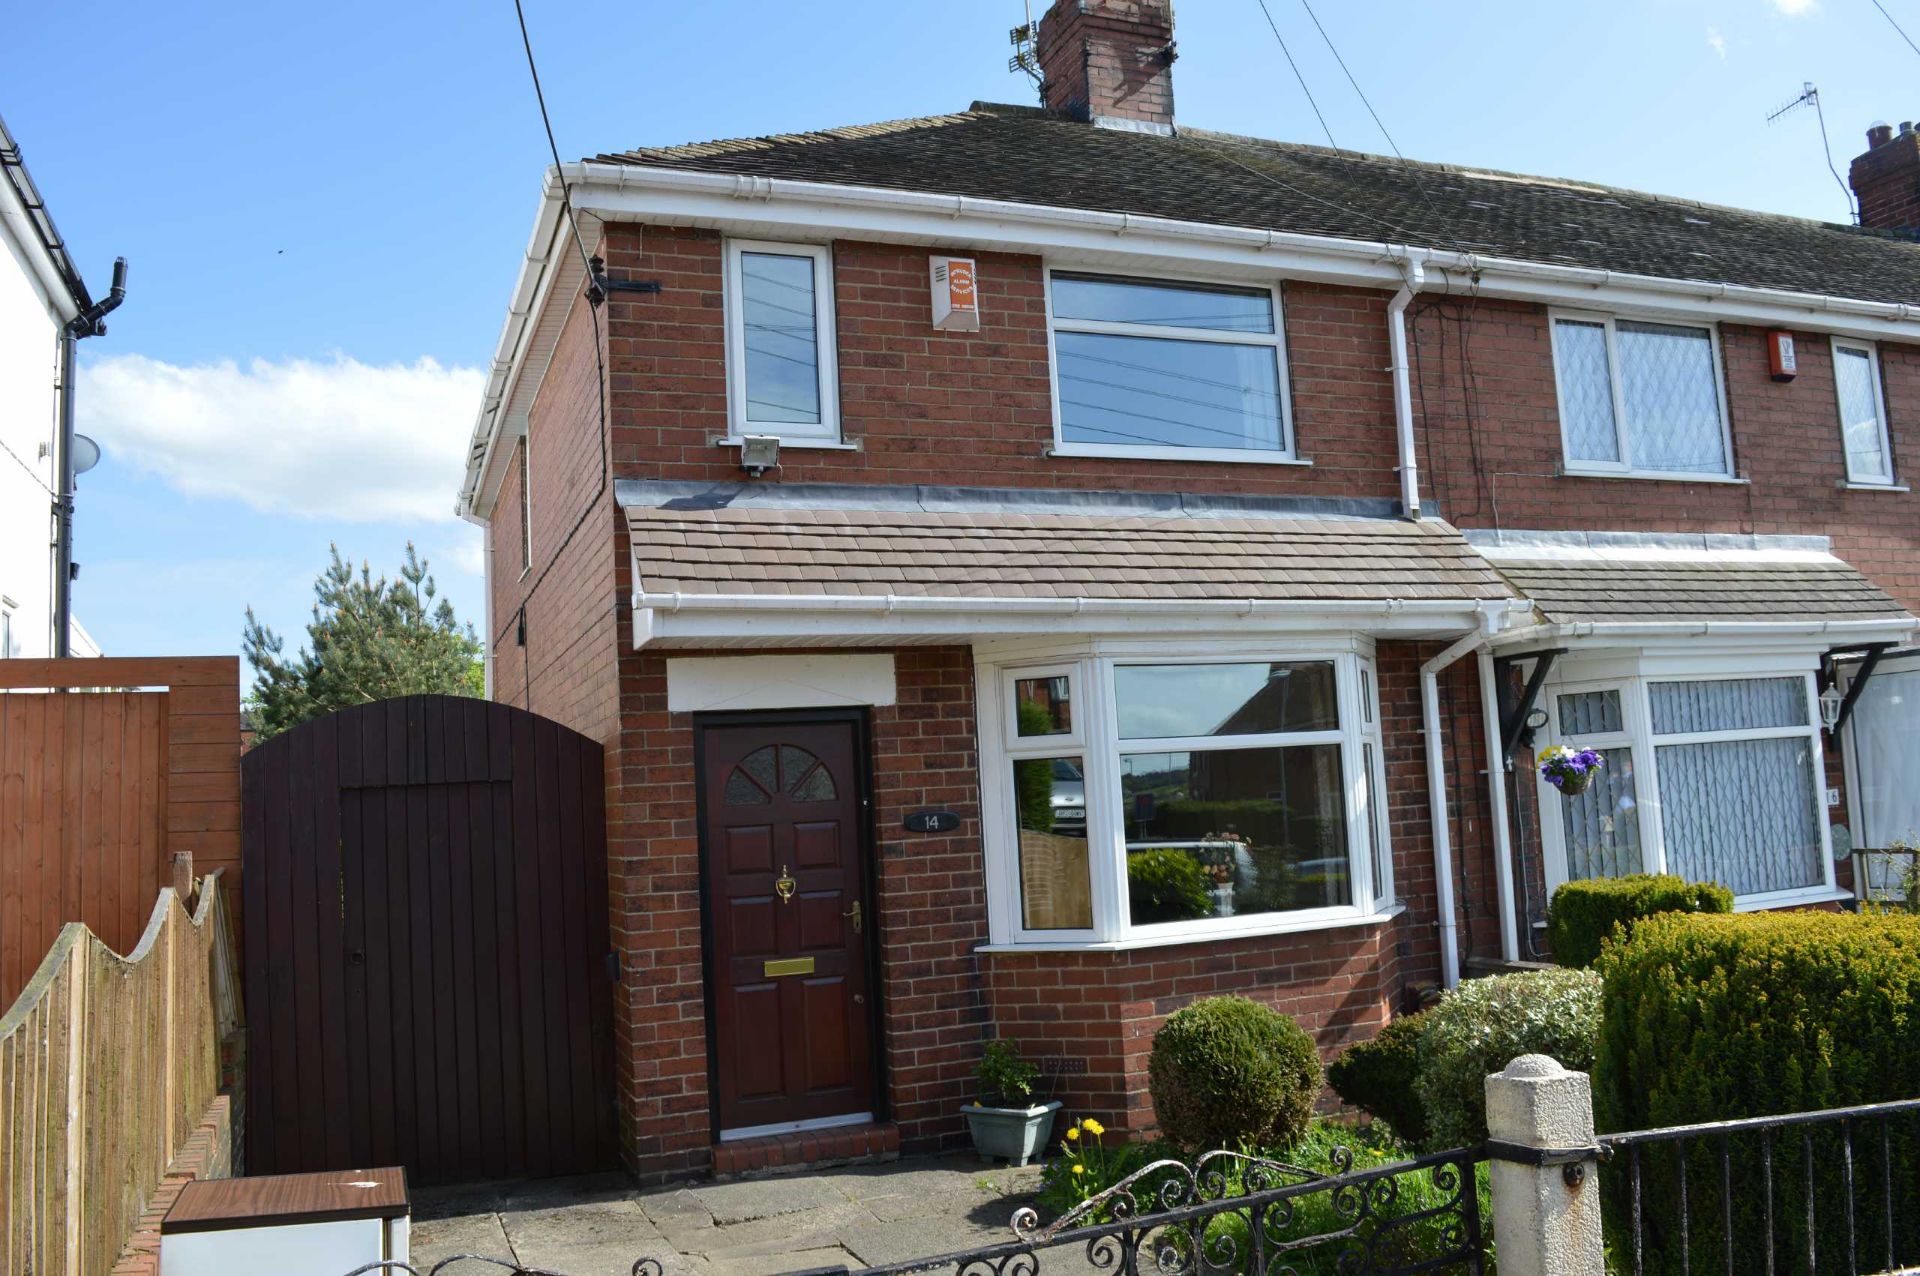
<point>1096,741</point>
<point>6,628</point>
<point>826,346</point>
<point>1872,351</point>
<point>526,504</point>
<point>1637,717</point>
<point>1288,454</point>
<point>1623,429</point>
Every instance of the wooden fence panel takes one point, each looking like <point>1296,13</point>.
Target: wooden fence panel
<point>106,1065</point>
<point>100,788</point>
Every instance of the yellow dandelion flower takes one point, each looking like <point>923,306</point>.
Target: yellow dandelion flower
<point>1079,1169</point>
<point>1073,1132</point>
<point>1094,1127</point>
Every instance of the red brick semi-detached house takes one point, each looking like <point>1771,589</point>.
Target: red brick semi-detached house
<point>1031,568</point>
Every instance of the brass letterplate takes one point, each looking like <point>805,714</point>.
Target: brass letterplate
<point>787,966</point>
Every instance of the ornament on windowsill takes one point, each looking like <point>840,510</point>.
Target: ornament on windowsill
<point>1569,770</point>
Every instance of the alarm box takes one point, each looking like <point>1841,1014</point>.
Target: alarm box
<point>1781,363</point>
<point>956,299</point>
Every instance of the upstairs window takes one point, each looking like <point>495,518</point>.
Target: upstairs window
<point>1863,413</point>
<point>1169,370</point>
<point>1640,398</point>
<point>780,353</point>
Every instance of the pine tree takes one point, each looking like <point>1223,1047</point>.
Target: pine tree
<point>369,639</point>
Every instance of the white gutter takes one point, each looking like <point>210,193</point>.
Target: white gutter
<point>1492,619</point>
<point>1498,767</point>
<point>630,192</point>
<point>1402,385</point>
<point>1638,629</point>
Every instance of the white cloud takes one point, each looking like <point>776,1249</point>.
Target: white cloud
<point>1795,8</point>
<point>340,440</point>
<point>1717,42</point>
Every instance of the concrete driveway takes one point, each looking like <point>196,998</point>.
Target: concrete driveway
<point>855,1216</point>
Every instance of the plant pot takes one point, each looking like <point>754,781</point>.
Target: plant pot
<point>1017,1134</point>
<point>1575,785</point>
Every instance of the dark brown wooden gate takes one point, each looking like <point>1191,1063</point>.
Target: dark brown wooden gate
<point>428,970</point>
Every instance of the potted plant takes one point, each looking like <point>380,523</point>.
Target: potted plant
<point>1569,770</point>
<point>1005,1121</point>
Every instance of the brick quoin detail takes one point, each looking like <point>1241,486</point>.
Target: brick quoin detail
<point>971,408</point>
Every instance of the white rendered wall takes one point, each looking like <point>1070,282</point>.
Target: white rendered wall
<point>28,351</point>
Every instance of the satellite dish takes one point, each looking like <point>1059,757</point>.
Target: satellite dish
<point>86,454</point>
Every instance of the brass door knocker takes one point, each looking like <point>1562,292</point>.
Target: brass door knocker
<point>784,885</point>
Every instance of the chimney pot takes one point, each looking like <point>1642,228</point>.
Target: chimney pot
<point>1109,61</point>
<point>1886,179</point>
<point>1879,133</point>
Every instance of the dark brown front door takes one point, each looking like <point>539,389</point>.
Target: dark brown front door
<point>786,869</point>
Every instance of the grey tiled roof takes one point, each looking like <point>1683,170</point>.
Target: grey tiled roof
<point>1025,156</point>
<point>792,551</point>
<point>1575,590</point>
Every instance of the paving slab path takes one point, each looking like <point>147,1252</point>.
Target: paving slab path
<point>853,1216</point>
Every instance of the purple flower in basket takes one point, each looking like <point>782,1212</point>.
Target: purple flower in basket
<point>1569,770</point>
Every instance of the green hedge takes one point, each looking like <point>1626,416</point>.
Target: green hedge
<point>1483,1025</point>
<point>1165,884</point>
<point>1583,915</point>
<point>1380,1077</point>
<point>1712,1018</point>
<point>1226,1072</point>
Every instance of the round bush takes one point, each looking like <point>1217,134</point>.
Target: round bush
<point>1382,1076</point>
<point>1483,1024</point>
<point>1167,885</point>
<point>1227,1072</point>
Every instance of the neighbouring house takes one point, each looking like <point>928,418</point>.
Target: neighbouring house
<point>41,293</point>
<point>1030,568</point>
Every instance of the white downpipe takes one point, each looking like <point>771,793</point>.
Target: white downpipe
<point>1490,624</point>
<point>1402,385</point>
<point>1497,808</point>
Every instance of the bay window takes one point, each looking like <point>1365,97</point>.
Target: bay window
<point>1165,369</point>
<point>1144,799</point>
<point>1640,398</point>
<point>1716,779</point>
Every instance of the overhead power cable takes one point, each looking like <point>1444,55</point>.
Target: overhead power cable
<point>1896,26</point>
<point>1288,53</point>
<point>599,363</point>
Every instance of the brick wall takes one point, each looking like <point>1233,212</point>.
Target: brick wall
<point>1104,58</point>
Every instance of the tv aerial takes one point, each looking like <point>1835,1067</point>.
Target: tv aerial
<point>1810,96</point>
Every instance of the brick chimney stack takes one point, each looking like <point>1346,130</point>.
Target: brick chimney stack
<point>1109,61</point>
<point>1886,179</point>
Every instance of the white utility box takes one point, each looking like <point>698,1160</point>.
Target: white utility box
<point>288,1224</point>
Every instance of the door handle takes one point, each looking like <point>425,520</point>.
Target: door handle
<point>854,913</point>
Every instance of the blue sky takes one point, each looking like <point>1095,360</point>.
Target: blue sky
<point>324,205</point>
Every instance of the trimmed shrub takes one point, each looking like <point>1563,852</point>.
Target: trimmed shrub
<point>1167,885</point>
<point>1483,1024</point>
<point>1713,1018</point>
<point>1226,1072</point>
<point>1583,915</point>
<point>1380,1077</point>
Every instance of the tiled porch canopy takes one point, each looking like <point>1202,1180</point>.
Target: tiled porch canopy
<point>765,549</point>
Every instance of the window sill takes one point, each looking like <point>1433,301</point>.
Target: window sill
<point>817,445</point>
<point>1229,455</point>
<point>1792,899</point>
<point>1656,476</point>
<point>1848,485</point>
<point>1198,937</point>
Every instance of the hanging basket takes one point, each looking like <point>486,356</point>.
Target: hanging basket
<point>1569,770</point>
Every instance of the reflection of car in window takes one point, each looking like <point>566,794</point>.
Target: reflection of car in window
<point>1069,799</point>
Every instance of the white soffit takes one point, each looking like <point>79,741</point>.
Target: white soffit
<point>699,683</point>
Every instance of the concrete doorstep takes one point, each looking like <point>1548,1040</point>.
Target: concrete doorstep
<point>853,1216</point>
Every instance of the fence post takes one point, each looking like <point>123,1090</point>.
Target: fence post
<point>1546,1188</point>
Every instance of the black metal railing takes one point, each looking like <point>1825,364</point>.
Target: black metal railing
<point>1813,1192</point>
<point>1229,1213</point>
<point>462,1264</point>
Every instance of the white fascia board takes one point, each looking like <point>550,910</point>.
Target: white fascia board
<point>637,192</point>
<point>1756,634</point>
<point>679,619</point>
<point>27,248</point>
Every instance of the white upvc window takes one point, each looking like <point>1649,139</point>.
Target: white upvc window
<point>1168,369</point>
<point>1863,412</point>
<point>6,631</point>
<point>1149,798</point>
<point>1717,777</point>
<point>781,357</point>
<point>1640,398</point>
